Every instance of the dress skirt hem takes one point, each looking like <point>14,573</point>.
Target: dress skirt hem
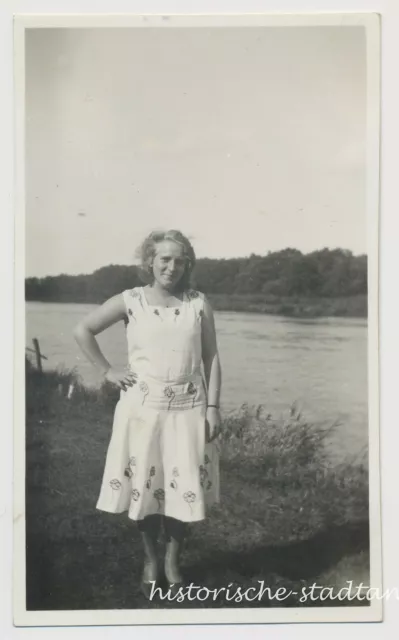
<point>159,463</point>
<point>137,519</point>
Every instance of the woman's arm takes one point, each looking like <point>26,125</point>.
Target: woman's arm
<point>112,311</point>
<point>212,370</point>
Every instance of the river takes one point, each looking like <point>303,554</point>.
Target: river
<point>321,365</point>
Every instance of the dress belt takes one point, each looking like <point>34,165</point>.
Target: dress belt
<point>179,393</point>
<point>193,377</point>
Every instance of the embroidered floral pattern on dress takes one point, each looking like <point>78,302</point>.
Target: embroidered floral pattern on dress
<point>143,386</point>
<point>192,390</point>
<point>159,495</point>
<point>203,475</point>
<point>175,474</point>
<point>135,495</point>
<point>209,484</point>
<point>192,294</point>
<point>136,295</point>
<point>151,475</point>
<point>131,467</point>
<point>169,393</point>
<point>115,484</point>
<point>130,470</point>
<point>131,315</point>
<point>189,497</point>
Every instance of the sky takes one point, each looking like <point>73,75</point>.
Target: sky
<point>248,140</point>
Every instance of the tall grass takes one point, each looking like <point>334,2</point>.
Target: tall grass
<point>280,456</point>
<point>289,459</point>
<point>289,514</point>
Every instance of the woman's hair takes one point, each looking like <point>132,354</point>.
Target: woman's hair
<point>147,251</point>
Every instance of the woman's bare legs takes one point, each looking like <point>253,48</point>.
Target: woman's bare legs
<point>175,531</point>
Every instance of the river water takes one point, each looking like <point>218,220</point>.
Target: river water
<point>321,365</point>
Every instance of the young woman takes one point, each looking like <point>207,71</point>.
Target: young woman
<point>163,461</point>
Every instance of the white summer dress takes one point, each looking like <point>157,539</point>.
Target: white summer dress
<point>157,459</point>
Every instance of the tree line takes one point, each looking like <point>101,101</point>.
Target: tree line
<point>325,273</point>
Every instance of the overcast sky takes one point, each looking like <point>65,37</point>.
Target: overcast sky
<point>248,140</point>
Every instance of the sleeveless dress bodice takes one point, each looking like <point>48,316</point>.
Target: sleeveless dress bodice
<point>164,343</point>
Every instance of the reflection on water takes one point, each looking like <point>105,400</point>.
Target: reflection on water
<point>321,365</point>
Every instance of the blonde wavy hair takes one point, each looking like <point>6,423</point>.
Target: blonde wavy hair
<point>147,250</point>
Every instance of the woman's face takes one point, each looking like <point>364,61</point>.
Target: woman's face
<point>169,264</point>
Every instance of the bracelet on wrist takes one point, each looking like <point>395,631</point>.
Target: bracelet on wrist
<point>214,406</point>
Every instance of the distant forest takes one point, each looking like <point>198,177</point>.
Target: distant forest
<point>283,274</point>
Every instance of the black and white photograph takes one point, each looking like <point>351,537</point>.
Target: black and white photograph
<point>197,438</point>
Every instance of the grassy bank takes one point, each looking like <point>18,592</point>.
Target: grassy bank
<point>287,516</point>
<point>293,306</point>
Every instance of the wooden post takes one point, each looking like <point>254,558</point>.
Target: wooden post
<point>38,354</point>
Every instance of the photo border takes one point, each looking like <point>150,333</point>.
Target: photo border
<point>22,617</point>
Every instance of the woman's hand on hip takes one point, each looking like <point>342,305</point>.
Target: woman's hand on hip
<point>121,378</point>
<point>213,423</point>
